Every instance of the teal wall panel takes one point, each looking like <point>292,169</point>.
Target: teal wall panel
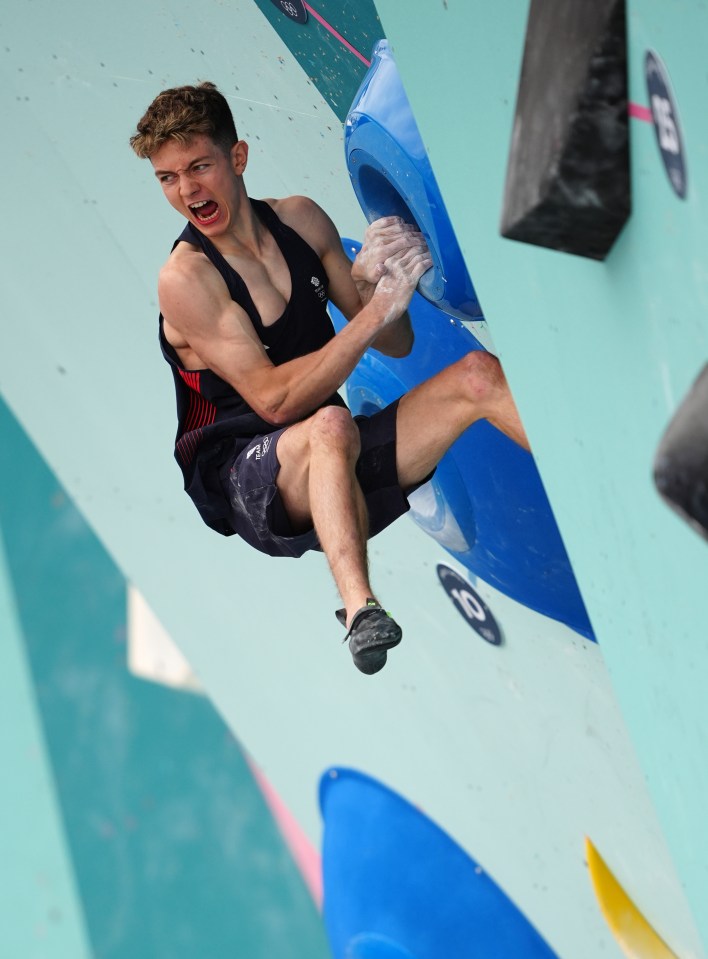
<point>42,916</point>
<point>334,69</point>
<point>170,841</point>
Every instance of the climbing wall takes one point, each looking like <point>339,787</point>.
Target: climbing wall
<point>516,749</point>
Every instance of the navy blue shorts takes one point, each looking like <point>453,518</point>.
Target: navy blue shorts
<point>257,511</point>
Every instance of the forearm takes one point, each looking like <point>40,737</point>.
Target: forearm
<point>287,393</point>
<point>397,339</point>
<point>294,389</point>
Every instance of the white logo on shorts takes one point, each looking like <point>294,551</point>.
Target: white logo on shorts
<point>254,449</point>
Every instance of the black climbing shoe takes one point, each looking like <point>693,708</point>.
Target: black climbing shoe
<point>371,633</point>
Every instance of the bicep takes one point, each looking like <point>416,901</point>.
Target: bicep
<point>342,290</point>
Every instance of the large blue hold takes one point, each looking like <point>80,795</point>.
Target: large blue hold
<point>397,887</point>
<point>486,503</point>
<point>391,175</point>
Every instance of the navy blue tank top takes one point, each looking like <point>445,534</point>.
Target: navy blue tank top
<point>214,421</point>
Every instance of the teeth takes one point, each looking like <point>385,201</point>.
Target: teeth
<point>195,206</point>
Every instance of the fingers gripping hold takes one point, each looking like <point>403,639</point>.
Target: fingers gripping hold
<point>397,284</point>
<point>383,239</point>
<point>416,259</point>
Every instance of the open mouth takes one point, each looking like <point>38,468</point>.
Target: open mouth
<point>206,211</point>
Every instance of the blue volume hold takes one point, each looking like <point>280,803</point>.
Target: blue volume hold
<point>392,176</point>
<point>397,887</point>
<point>486,504</point>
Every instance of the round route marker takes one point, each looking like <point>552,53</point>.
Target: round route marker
<point>470,605</point>
<point>666,122</point>
<point>295,9</point>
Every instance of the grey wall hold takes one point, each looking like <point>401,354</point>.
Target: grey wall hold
<point>567,183</point>
<point>681,463</point>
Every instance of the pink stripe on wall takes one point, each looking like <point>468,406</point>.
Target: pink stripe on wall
<point>640,113</point>
<point>328,26</point>
<point>307,858</point>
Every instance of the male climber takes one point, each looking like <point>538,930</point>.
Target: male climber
<point>267,447</point>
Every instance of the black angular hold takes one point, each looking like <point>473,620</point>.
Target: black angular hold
<point>567,182</point>
<point>681,462</point>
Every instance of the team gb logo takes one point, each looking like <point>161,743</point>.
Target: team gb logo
<point>318,287</point>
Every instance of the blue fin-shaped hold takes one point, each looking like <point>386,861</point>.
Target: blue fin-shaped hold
<point>397,887</point>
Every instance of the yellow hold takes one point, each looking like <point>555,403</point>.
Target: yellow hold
<point>636,937</point>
